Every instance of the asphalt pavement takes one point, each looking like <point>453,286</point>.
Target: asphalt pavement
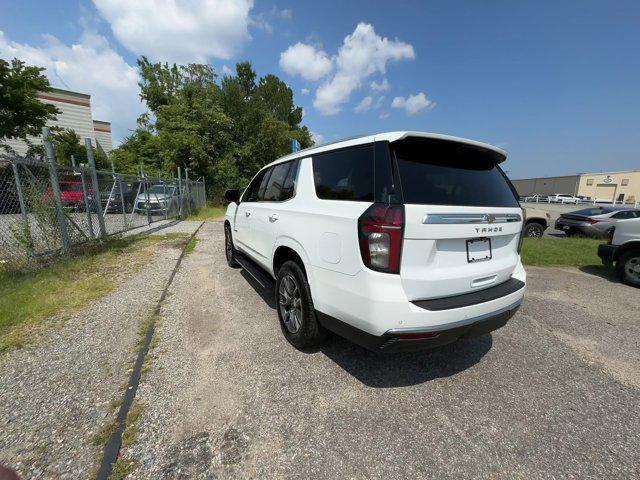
<point>554,394</point>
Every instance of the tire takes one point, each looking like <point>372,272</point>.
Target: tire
<point>229,249</point>
<point>295,308</point>
<point>533,230</point>
<point>628,268</point>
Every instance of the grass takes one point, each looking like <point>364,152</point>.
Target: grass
<point>191,246</point>
<point>209,212</point>
<point>122,468</point>
<point>574,252</point>
<point>66,286</point>
<point>104,434</point>
<point>131,429</point>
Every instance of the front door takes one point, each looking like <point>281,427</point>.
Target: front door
<point>242,221</point>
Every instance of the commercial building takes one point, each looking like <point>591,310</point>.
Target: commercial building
<point>602,186</point>
<point>74,114</point>
<point>102,134</point>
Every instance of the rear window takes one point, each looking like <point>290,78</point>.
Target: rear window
<point>345,174</point>
<point>70,186</point>
<point>438,172</point>
<point>587,212</point>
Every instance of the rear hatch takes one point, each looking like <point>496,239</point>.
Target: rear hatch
<point>462,218</point>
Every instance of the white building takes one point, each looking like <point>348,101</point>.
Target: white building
<point>74,114</point>
<point>102,134</point>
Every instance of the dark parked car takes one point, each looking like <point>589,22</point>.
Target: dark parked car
<point>594,221</point>
<point>112,200</point>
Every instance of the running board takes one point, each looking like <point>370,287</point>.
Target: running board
<point>258,274</point>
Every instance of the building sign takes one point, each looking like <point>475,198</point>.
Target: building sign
<point>607,179</point>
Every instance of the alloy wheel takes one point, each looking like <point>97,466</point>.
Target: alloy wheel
<point>290,303</point>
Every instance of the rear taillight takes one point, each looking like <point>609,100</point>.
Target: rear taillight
<point>380,231</point>
<point>524,223</point>
<point>591,221</point>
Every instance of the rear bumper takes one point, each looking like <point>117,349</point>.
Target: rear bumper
<point>606,253</point>
<point>584,227</point>
<point>376,303</point>
<point>416,339</point>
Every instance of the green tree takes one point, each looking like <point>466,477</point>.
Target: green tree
<point>21,113</point>
<point>140,149</point>
<point>67,143</point>
<point>223,131</point>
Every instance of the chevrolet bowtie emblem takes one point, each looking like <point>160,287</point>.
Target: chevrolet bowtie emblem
<point>489,218</point>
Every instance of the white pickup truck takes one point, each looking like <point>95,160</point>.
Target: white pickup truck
<point>623,250</point>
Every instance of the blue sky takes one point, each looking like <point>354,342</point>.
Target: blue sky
<point>556,84</point>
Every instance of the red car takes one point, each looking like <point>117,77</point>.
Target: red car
<point>70,193</point>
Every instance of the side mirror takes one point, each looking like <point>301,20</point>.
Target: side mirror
<point>232,195</point>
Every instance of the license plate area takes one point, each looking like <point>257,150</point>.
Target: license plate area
<point>478,250</point>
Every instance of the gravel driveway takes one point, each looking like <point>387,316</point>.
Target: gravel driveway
<point>56,393</point>
<point>554,394</point>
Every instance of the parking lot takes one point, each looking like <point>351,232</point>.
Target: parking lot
<point>554,394</point>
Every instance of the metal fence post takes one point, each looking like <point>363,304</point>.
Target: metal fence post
<point>85,197</point>
<point>117,178</point>
<point>146,194</point>
<point>186,181</point>
<point>23,208</point>
<point>95,186</point>
<point>166,202</point>
<point>55,188</point>
<point>181,211</point>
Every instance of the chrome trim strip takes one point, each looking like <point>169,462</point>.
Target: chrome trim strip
<point>459,323</point>
<point>450,218</point>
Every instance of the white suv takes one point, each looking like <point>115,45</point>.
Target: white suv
<point>397,241</point>
<point>563,198</point>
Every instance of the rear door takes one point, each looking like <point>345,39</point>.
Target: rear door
<point>463,220</point>
<point>267,217</point>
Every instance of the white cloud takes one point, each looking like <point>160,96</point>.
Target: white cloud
<point>380,86</point>
<point>379,102</point>
<point>286,13</point>
<point>317,138</point>
<point>362,54</point>
<point>227,71</point>
<point>306,61</point>
<point>305,91</point>
<point>174,31</point>
<point>383,115</point>
<point>364,105</point>
<point>91,67</point>
<point>413,103</point>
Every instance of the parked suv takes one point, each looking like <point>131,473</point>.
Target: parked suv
<point>563,198</point>
<point>397,241</point>
<point>623,250</point>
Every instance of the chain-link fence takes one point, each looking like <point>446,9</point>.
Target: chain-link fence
<point>47,208</point>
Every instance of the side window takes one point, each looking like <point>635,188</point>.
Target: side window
<point>276,182</point>
<point>625,214</point>
<point>289,187</point>
<point>345,174</point>
<point>263,184</point>
<point>251,193</point>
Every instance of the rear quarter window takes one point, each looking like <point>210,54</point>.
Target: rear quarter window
<point>345,174</point>
<point>437,172</point>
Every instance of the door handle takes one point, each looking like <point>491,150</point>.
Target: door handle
<point>247,214</point>
<point>273,218</point>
